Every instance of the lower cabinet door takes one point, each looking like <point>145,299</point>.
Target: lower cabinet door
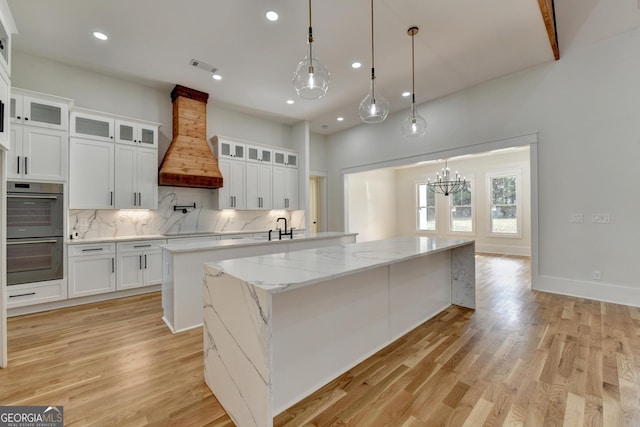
<point>91,275</point>
<point>152,263</point>
<point>130,270</point>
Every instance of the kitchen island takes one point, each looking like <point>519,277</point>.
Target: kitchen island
<point>182,270</point>
<point>280,326</point>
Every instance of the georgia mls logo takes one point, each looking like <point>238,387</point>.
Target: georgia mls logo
<point>31,416</point>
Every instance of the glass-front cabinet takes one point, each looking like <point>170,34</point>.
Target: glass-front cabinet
<point>93,126</point>
<point>41,112</point>
<point>285,158</point>
<point>136,133</point>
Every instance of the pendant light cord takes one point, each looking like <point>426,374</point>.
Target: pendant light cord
<point>413,77</point>
<point>310,41</point>
<point>373,61</point>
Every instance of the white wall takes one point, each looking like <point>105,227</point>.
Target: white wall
<point>372,204</point>
<point>476,168</point>
<point>317,153</point>
<point>584,108</point>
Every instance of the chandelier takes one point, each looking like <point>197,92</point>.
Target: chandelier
<point>444,184</point>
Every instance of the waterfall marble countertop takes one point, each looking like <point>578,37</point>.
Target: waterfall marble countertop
<point>285,271</point>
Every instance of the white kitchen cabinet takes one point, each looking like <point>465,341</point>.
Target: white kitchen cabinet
<point>136,133</point>
<point>36,293</point>
<point>91,174</point>
<point>285,158</point>
<point>91,269</point>
<point>232,194</point>
<point>92,125</point>
<point>259,183</point>
<point>136,177</point>
<point>256,153</point>
<point>37,153</point>
<point>38,109</point>
<point>285,188</point>
<point>228,148</point>
<point>139,264</point>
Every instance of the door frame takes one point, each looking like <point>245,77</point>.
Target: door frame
<point>323,211</point>
<point>3,262</point>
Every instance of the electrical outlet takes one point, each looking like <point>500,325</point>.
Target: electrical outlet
<point>576,218</point>
<point>597,275</point>
<point>600,218</point>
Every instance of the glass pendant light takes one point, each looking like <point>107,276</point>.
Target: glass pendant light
<point>414,124</point>
<point>374,108</point>
<point>311,78</point>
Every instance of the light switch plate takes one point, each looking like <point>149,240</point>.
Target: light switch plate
<point>576,218</point>
<point>600,218</point>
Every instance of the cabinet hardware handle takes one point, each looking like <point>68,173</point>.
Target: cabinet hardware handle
<point>113,265</point>
<point>134,199</point>
<point>111,202</point>
<point>26,118</point>
<point>92,250</point>
<point>18,117</point>
<point>22,295</point>
<point>26,169</point>
<point>141,246</point>
<point>1,115</point>
<point>18,164</point>
<point>139,199</point>
<point>140,261</point>
<point>145,261</point>
<point>111,137</point>
<point>31,196</point>
<point>31,242</point>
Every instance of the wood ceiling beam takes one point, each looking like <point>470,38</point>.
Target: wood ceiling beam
<point>549,17</point>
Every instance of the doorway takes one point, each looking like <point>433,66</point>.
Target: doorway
<point>317,212</point>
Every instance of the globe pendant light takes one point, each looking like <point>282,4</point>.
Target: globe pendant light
<point>414,124</point>
<point>311,78</point>
<point>374,108</point>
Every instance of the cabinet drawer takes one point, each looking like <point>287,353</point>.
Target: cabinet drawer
<point>36,293</point>
<point>143,245</point>
<point>92,249</point>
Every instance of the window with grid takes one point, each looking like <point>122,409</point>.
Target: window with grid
<point>504,204</point>
<point>426,208</point>
<point>461,211</point>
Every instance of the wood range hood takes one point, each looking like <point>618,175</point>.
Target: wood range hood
<point>189,161</point>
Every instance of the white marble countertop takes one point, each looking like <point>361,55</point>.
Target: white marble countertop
<point>212,244</point>
<point>285,271</point>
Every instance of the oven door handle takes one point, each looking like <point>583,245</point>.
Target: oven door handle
<point>31,242</point>
<point>34,196</point>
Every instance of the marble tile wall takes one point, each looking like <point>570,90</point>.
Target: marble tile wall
<point>204,218</point>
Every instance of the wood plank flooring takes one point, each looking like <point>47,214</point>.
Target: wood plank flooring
<point>522,358</point>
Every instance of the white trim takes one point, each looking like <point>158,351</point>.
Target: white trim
<point>3,262</point>
<point>599,291</point>
<point>533,203</point>
<point>504,249</point>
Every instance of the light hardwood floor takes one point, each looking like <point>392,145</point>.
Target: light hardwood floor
<point>522,358</point>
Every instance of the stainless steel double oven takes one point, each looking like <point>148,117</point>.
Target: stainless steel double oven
<point>34,232</point>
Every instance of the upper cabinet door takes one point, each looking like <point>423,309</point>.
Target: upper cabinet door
<point>136,134</point>
<point>285,158</point>
<point>230,149</point>
<point>259,154</point>
<point>92,126</point>
<point>27,110</point>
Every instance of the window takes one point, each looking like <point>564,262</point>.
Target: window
<point>504,206</point>
<point>461,218</point>
<point>426,208</point>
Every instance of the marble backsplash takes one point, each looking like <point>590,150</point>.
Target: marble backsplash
<point>165,220</point>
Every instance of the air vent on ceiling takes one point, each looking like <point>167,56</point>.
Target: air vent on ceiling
<point>203,66</point>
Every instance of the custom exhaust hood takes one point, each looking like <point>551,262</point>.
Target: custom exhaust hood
<point>189,161</point>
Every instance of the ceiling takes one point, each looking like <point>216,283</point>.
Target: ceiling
<point>461,43</point>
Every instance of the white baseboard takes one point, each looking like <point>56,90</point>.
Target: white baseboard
<point>598,291</point>
<point>504,249</point>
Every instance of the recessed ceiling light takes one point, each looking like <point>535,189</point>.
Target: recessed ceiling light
<point>290,101</point>
<point>356,65</point>
<point>272,16</point>
<point>406,93</point>
<point>99,35</point>
<point>340,119</point>
<point>216,77</point>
